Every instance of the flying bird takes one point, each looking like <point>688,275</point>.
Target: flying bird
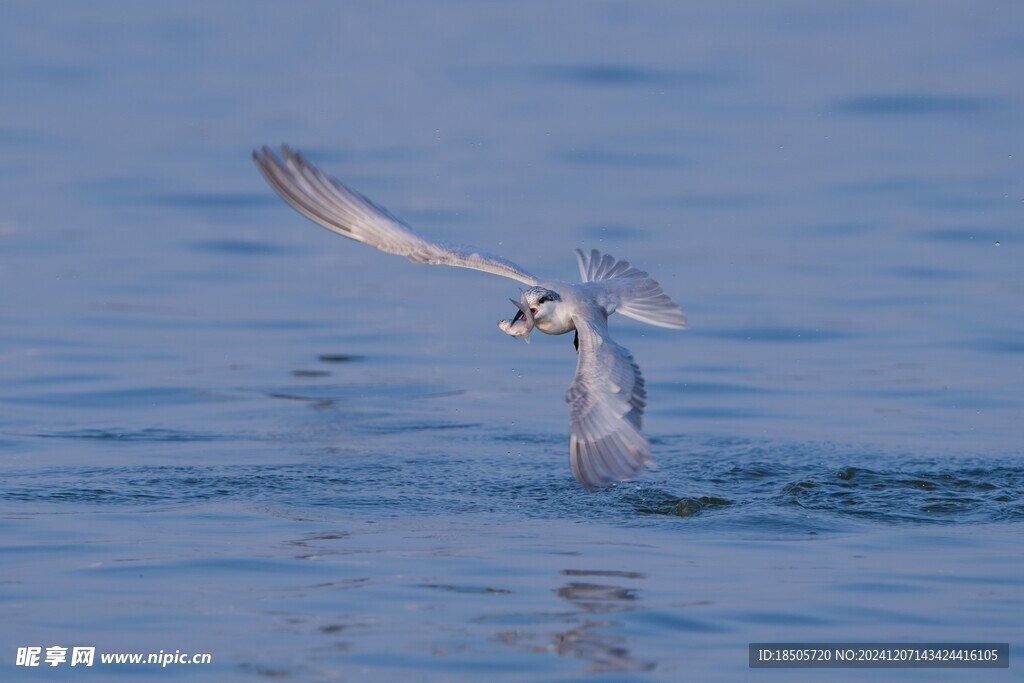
<point>607,396</point>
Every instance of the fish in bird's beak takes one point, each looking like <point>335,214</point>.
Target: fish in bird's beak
<point>522,324</point>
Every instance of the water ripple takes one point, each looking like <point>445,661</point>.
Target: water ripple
<point>762,488</point>
<point>914,105</point>
<point>924,496</point>
<point>128,435</point>
<point>623,75</point>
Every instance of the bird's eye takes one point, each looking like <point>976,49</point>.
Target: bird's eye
<point>544,299</point>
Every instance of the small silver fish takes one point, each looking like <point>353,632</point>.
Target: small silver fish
<point>522,324</point>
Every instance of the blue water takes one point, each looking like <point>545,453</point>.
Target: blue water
<point>225,430</point>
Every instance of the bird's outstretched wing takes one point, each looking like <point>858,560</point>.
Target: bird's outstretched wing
<point>607,399</point>
<point>631,291</point>
<point>343,210</point>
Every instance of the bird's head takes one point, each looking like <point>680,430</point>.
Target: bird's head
<point>542,303</point>
<point>538,307</point>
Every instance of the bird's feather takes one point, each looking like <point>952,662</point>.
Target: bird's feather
<point>343,210</point>
<point>630,291</point>
<point>607,399</point>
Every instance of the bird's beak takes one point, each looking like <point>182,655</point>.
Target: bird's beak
<point>524,313</point>
<point>524,310</point>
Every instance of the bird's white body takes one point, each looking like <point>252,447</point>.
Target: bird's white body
<point>607,396</point>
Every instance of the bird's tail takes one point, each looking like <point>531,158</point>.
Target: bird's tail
<point>639,296</point>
